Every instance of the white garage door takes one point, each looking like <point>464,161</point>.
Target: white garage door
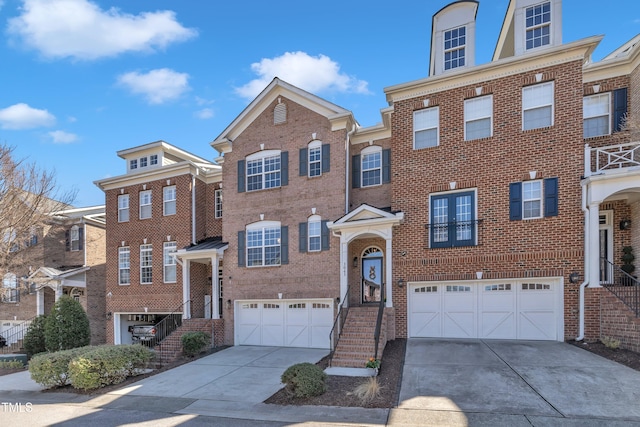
<point>528,309</point>
<point>284,323</point>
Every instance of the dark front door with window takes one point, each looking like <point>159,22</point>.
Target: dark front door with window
<point>372,276</point>
<point>453,220</point>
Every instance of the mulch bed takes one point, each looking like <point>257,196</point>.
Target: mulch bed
<point>624,357</point>
<point>340,389</point>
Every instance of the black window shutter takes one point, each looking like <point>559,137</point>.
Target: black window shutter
<point>241,249</point>
<point>515,201</point>
<point>284,245</point>
<point>303,162</point>
<point>67,241</point>
<point>324,236</point>
<point>302,237</point>
<point>355,171</point>
<point>386,166</point>
<point>241,176</point>
<point>326,158</point>
<point>551,197</point>
<point>80,238</point>
<point>619,108</point>
<point>284,168</point>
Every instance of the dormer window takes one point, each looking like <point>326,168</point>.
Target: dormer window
<point>153,159</point>
<point>538,25</point>
<point>454,47</point>
<point>143,162</point>
<point>133,164</point>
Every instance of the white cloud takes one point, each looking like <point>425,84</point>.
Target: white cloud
<point>80,29</point>
<point>205,113</point>
<point>312,73</point>
<point>157,86</point>
<point>22,116</point>
<point>203,101</point>
<point>62,137</point>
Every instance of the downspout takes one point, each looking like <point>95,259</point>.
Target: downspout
<point>347,163</point>
<point>193,209</point>
<point>584,284</point>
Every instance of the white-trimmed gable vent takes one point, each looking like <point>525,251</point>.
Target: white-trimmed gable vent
<point>279,113</point>
<point>453,37</point>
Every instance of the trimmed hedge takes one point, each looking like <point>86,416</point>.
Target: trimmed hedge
<point>305,380</point>
<point>89,367</point>
<point>106,365</point>
<point>194,342</point>
<point>67,326</point>
<point>52,369</point>
<point>34,341</point>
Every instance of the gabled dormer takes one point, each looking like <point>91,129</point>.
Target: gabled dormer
<point>155,155</point>
<point>529,26</point>
<point>453,36</point>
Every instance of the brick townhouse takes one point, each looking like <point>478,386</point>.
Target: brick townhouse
<point>65,257</point>
<point>493,200</point>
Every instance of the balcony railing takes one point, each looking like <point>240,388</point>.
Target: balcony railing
<point>453,234</point>
<point>611,157</point>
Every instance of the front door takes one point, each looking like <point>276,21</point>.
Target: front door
<point>606,245</point>
<point>372,275</point>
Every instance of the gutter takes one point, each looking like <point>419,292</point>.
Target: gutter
<point>347,162</point>
<point>193,209</point>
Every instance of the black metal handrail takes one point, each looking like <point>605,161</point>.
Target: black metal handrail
<point>376,335</point>
<point>167,325</point>
<point>338,323</point>
<point>623,285</point>
<point>453,234</point>
<point>15,334</point>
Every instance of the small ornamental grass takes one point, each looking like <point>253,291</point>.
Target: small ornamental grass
<point>368,391</point>
<point>305,380</point>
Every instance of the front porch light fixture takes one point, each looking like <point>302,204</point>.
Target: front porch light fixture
<point>574,277</point>
<point>625,224</point>
<point>355,262</point>
<point>401,282</point>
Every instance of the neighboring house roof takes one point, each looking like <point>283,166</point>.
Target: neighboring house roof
<point>204,249</point>
<point>340,117</point>
<point>91,214</point>
<point>58,273</point>
<point>171,151</point>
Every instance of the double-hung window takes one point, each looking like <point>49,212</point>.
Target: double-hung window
<point>124,266</point>
<point>218,204</point>
<point>153,159</point>
<point>537,106</point>
<point>123,208</point>
<point>10,285</point>
<point>313,235</point>
<point>263,172</point>
<point>146,258</point>
<point>425,127</point>
<point>533,199</point>
<point>169,251</point>
<point>371,167</point>
<point>315,159</point>
<point>454,47</point>
<point>478,117</point>
<point>314,231</point>
<point>596,110</point>
<point>143,162</point>
<point>263,246</point>
<point>538,25</point>
<point>453,220</point>
<point>169,200</point>
<point>145,204</point>
<point>74,238</point>
<point>133,164</point>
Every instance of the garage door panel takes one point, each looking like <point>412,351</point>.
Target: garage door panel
<point>426,311</point>
<point>497,311</point>
<point>459,319</point>
<point>497,325</point>
<point>426,325</point>
<point>321,324</point>
<point>537,325</point>
<point>249,331</point>
<point>459,325</point>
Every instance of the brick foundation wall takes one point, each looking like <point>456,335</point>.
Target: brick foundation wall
<point>618,322</point>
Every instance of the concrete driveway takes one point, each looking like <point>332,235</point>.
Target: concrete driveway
<point>513,383</point>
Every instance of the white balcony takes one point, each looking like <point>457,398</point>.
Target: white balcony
<point>611,159</point>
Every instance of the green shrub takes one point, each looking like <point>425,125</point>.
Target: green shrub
<point>11,364</point>
<point>52,369</point>
<point>34,342</point>
<point>67,326</point>
<point>305,380</point>
<point>107,364</point>
<point>194,342</point>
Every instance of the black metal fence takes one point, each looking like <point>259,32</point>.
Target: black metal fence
<point>623,285</point>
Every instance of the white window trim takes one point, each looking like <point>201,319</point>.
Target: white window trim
<point>150,204</point>
<point>169,248</point>
<point>74,238</point>
<point>218,204</point>
<point>166,201</point>
<point>262,155</point>
<point>373,149</point>
<point>262,226</point>
<point>143,263</point>
<point>314,145</point>
<point>540,105</point>
<point>541,198</point>
<point>10,281</point>
<point>545,24</point>
<point>480,115</point>
<point>122,209</point>
<point>121,251</point>
<point>453,192</point>
<point>436,127</point>
<point>314,219</point>
<point>459,47</point>
<point>585,116</point>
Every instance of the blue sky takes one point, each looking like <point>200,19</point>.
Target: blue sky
<point>83,79</point>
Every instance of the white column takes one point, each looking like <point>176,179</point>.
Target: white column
<point>594,245</point>
<point>186,289</point>
<point>344,270</point>
<point>215,289</point>
<point>40,301</point>
<point>58,291</point>
<point>389,276</point>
